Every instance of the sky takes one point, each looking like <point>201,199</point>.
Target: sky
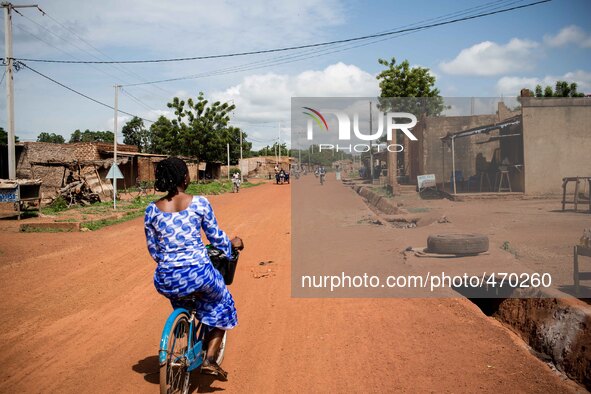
<point>487,57</point>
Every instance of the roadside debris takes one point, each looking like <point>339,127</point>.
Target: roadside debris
<point>78,193</point>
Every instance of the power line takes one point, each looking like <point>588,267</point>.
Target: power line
<point>116,66</point>
<point>79,93</point>
<point>327,43</point>
<point>137,100</point>
<point>129,72</point>
<point>315,53</point>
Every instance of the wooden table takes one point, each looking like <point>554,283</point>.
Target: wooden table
<point>577,180</point>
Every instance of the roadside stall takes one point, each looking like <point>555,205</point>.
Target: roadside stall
<point>22,193</point>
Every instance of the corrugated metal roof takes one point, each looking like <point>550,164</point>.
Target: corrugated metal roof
<point>482,129</point>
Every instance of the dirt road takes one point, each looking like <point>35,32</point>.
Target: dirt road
<point>80,314</point>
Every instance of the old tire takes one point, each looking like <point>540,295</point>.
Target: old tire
<point>457,243</point>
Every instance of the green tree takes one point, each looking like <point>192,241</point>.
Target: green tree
<point>415,83</point>
<point>164,135</point>
<point>201,128</point>
<point>4,137</point>
<point>233,138</point>
<point>92,136</point>
<point>561,89</point>
<point>47,137</point>
<point>548,92</point>
<point>134,133</point>
<point>76,136</point>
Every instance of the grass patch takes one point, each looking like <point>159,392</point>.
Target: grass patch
<point>69,220</point>
<point>418,210</point>
<point>46,230</point>
<point>57,205</point>
<point>506,246</point>
<point>215,187</point>
<point>94,225</point>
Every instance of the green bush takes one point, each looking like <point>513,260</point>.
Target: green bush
<point>58,205</point>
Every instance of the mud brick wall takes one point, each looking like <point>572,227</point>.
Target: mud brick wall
<point>146,167</point>
<point>556,142</point>
<point>84,151</point>
<point>466,148</point>
<point>52,176</point>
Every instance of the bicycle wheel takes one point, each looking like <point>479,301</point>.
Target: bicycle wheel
<point>174,376</point>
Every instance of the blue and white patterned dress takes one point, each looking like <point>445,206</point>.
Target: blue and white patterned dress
<point>174,242</point>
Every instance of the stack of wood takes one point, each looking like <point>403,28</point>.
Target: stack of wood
<point>78,193</point>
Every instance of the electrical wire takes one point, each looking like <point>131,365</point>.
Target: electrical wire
<point>73,32</point>
<point>116,66</point>
<point>315,53</point>
<point>82,94</point>
<point>321,44</point>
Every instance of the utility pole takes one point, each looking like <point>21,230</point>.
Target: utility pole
<point>370,145</point>
<point>279,143</point>
<point>8,7</point>
<point>240,162</point>
<point>228,149</point>
<point>117,87</point>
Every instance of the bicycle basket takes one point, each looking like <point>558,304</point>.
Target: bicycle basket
<point>226,267</point>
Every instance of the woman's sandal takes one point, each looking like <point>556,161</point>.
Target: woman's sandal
<point>212,368</point>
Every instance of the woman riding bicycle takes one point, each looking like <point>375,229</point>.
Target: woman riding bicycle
<point>173,232</point>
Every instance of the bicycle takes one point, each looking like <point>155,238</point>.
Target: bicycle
<point>142,189</point>
<point>322,179</point>
<point>182,348</point>
<point>184,339</point>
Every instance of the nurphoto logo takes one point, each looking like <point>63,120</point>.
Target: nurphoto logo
<point>402,121</point>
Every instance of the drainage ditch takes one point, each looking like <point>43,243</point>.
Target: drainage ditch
<point>555,326</point>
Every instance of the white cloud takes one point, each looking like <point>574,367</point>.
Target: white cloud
<point>489,58</point>
<point>569,35</point>
<point>265,99</point>
<point>181,27</point>
<point>512,85</point>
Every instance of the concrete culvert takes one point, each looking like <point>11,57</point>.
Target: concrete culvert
<point>457,243</point>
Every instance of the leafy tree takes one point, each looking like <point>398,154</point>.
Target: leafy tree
<point>134,133</point>
<point>92,136</point>
<point>416,83</point>
<point>201,129</point>
<point>4,137</point>
<point>233,138</point>
<point>54,138</point>
<point>76,136</point>
<point>164,137</point>
<point>561,89</point>
<point>548,92</point>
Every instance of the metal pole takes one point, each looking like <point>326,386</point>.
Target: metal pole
<point>115,147</point>
<point>9,90</point>
<point>370,146</point>
<point>279,143</point>
<point>453,162</point>
<point>240,162</point>
<point>228,148</point>
<point>10,83</point>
